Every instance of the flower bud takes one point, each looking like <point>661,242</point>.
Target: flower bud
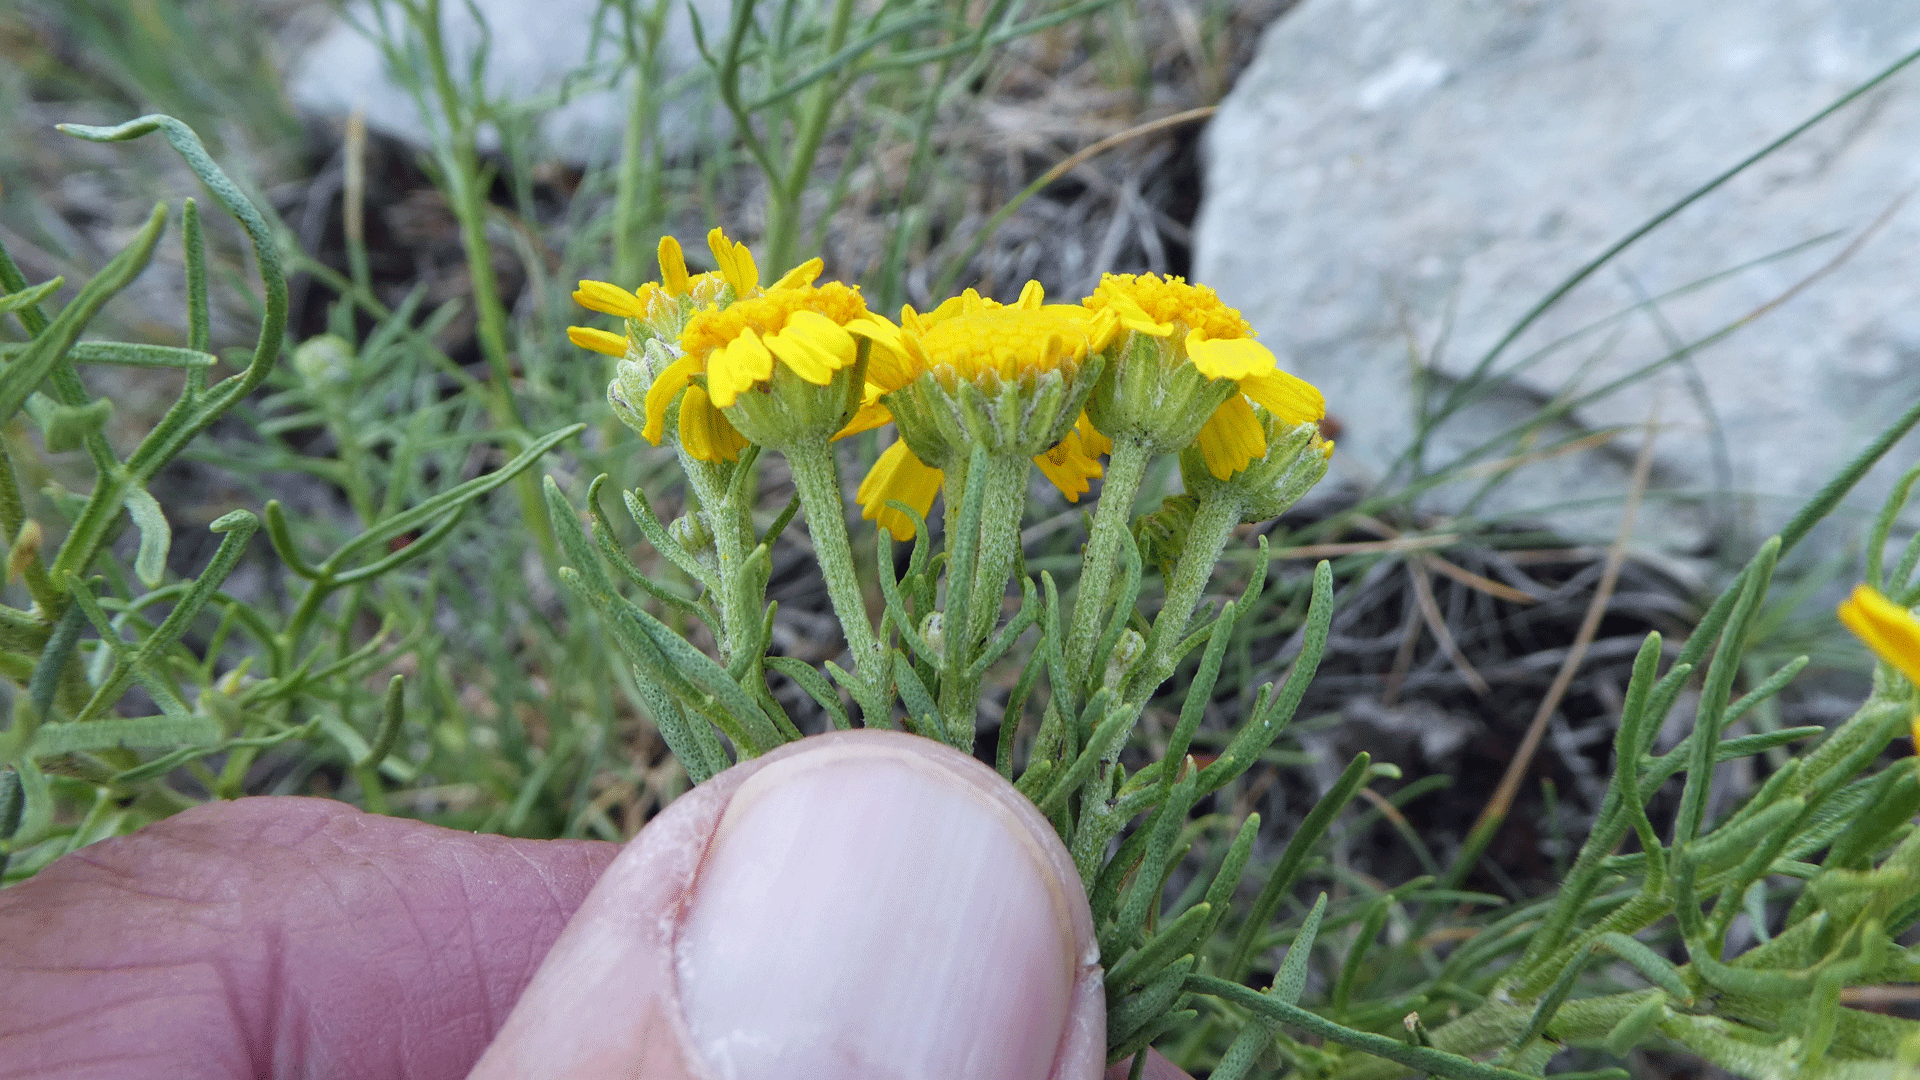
<point>1294,461</point>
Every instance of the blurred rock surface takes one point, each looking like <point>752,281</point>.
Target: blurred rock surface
<point>563,49</point>
<point>1392,176</point>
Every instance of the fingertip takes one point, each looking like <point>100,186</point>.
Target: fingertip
<point>847,905</point>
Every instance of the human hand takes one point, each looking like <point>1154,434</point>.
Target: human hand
<point>873,905</point>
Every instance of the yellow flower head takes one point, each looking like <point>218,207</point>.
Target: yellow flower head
<point>661,309</point>
<point>1889,630</point>
<point>970,338</point>
<point>1169,385</point>
<point>736,349</point>
<point>974,371</point>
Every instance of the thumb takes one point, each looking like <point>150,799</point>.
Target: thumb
<point>858,905</point>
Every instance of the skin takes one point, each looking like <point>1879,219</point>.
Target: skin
<point>288,937</point>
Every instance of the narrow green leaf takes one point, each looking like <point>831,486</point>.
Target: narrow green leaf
<point>392,714</point>
<point>1633,1028</point>
<point>25,373</point>
<point>159,732</point>
<point>1227,879</point>
<point>1253,739</point>
<point>922,717</point>
<point>1294,858</point>
<point>29,297</point>
<point>156,536</point>
<point>1138,1010</point>
<point>130,354</point>
<point>428,509</point>
<point>1655,967</point>
<point>1418,1058</point>
<point>1257,1036</point>
<point>1291,979</point>
<point>816,686</point>
<point>1175,939</point>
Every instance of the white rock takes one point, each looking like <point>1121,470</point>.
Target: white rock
<point>1386,161</point>
<point>534,52</point>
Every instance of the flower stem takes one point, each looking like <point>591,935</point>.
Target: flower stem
<point>732,528</point>
<point>816,476</point>
<point>1004,491</point>
<point>1125,469</point>
<point>1213,524</point>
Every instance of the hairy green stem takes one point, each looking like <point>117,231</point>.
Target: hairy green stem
<point>733,541</point>
<point>816,477</point>
<point>1126,468</point>
<point>1213,525</point>
<point>1004,482</point>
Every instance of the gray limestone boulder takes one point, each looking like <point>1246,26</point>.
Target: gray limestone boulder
<point>1393,184</point>
<point>559,58</point>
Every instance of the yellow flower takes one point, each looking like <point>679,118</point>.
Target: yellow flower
<point>973,371</point>
<point>734,349</point>
<point>1889,630</point>
<point>1170,384</point>
<point>661,309</point>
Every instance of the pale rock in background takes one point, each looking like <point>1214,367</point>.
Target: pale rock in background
<point>1386,162</point>
<point>531,51</point>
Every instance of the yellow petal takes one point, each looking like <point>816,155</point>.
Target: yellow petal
<point>1102,329</point>
<point>1231,438</point>
<point>800,276</point>
<point>900,476</point>
<point>1076,460</point>
<point>673,267</point>
<point>736,263</point>
<point>704,430</point>
<point>610,298</point>
<point>1888,629</point>
<point>1291,399</point>
<point>1091,440</point>
<point>1229,358</point>
<point>813,345</point>
<point>737,366</point>
<point>1032,296</point>
<point>661,394</point>
<point>1132,315</point>
<point>891,362</point>
<point>599,341</point>
<point>870,415</point>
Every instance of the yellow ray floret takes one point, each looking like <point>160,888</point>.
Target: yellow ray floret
<point>611,299</point>
<point>704,430</point>
<point>899,476</point>
<point>735,262</point>
<point>673,268</point>
<point>600,341</point>
<point>1231,438</point>
<point>1070,465</point>
<point>1890,631</point>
